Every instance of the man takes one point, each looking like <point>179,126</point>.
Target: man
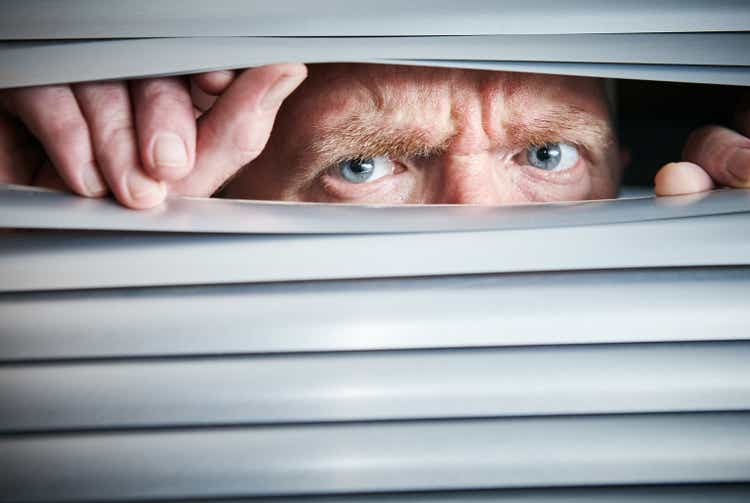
<point>349,133</point>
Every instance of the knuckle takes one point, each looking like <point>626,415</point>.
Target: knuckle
<point>118,136</point>
<point>709,145</point>
<point>157,94</point>
<point>698,137</point>
<point>241,145</point>
<point>107,98</point>
<point>248,142</point>
<point>247,151</point>
<point>68,136</point>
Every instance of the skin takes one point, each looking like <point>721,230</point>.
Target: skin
<point>144,139</point>
<point>452,137</point>
<point>442,136</point>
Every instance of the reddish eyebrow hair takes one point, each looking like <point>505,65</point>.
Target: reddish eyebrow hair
<point>370,135</point>
<point>559,123</point>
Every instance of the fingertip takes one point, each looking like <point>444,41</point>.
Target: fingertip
<point>141,192</point>
<point>677,178</point>
<point>214,83</point>
<point>236,128</point>
<point>169,159</point>
<point>165,127</point>
<point>92,181</point>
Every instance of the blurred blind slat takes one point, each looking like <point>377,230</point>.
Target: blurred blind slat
<point>694,493</point>
<point>680,304</point>
<point>447,455</point>
<point>353,386</point>
<point>29,19</point>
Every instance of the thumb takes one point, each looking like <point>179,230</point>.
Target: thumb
<point>237,127</point>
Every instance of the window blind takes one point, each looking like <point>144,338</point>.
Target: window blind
<point>245,351</point>
<point>70,19</point>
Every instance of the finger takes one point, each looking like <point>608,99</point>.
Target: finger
<point>724,154</point>
<point>165,126</point>
<point>106,106</point>
<point>52,115</point>
<point>678,178</point>
<point>206,87</point>
<point>237,127</point>
<point>202,101</point>
<point>214,83</point>
<point>20,157</point>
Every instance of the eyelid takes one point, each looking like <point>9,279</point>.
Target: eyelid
<point>584,151</point>
<point>337,187</point>
<point>379,169</point>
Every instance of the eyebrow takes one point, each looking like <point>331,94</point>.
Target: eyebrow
<point>369,135</point>
<point>560,123</point>
<point>366,135</point>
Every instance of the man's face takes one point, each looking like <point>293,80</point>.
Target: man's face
<point>357,133</point>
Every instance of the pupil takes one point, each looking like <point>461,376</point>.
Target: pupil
<point>360,166</point>
<point>543,154</point>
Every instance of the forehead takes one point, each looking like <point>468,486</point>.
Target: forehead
<point>338,88</point>
<point>351,105</point>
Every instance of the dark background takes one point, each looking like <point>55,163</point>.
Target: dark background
<point>655,118</point>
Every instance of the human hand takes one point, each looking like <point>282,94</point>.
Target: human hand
<point>140,139</point>
<point>713,155</point>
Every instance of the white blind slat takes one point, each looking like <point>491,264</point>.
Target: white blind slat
<point>429,455</point>
<point>646,56</point>
<point>24,19</point>
<point>40,261</point>
<point>499,310</point>
<point>24,207</point>
<point>375,386</point>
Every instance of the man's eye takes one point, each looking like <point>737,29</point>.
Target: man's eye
<point>552,156</point>
<point>365,170</point>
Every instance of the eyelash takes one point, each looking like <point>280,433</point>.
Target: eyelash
<point>333,183</point>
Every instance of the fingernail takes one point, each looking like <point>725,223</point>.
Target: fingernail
<point>169,151</point>
<point>144,192</point>
<point>93,182</point>
<point>279,90</point>
<point>739,166</point>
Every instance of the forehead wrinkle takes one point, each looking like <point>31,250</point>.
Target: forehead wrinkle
<point>396,111</point>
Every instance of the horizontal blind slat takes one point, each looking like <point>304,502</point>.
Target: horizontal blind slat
<point>496,310</point>
<point>693,493</point>
<point>39,261</point>
<point>148,18</point>
<point>471,454</point>
<point>31,208</point>
<point>388,385</point>
<point>688,57</point>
